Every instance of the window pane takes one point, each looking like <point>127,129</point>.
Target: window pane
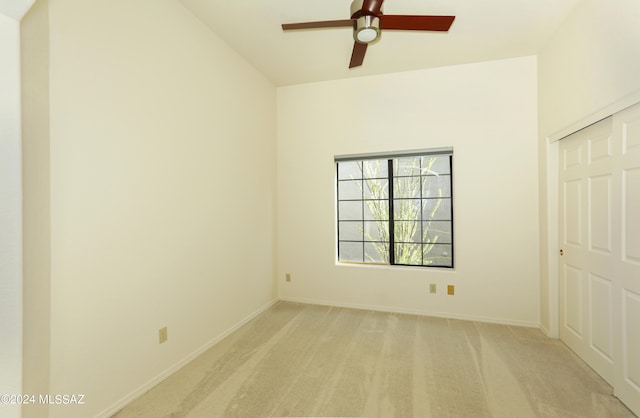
<point>436,186</point>
<point>375,169</point>
<point>436,164</point>
<point>436,209</point>
<point>438,255</point>
<point>351,251</point>
<point>349,170</point>
<point>407,166</point>
<point>436,232</point>
<point>406,210</point>
<point>376,210</point>
<point>376,189</point>
<point>376,252</point>
<point>350,211</point>
<point>376,231</point>
<point>406,187</point>
<point>350,231</point>
<point>349,189</point>
<point>410,254</point>
<point>406,231</point>
<point>422,210</point>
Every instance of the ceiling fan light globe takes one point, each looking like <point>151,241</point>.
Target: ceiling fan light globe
<point>366,35</point>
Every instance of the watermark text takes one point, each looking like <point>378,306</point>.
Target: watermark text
<point>48,399</point>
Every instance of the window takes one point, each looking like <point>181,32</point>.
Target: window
<point>396,209</point>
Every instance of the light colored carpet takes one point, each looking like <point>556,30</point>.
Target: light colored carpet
<point>311,361</point>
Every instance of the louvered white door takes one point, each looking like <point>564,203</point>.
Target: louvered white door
<point>587,239</point>
<point>626,125</point>
<point>600,241</point>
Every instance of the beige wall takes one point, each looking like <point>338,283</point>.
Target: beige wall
<point>588,70</point>
<point>162,186</point>
<point>36,214</point>
<point>10,215</point>
<point>590,63</point>
<point>487,112</point>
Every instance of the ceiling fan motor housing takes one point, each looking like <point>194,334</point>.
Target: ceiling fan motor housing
<point>367,28</point>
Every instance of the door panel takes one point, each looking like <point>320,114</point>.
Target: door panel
<point>632,215</point>
<point>631,129</point>
<point>573,213</point>
<point>587,234</point>
<point>600,148</point>
<point>627,377</point>
<point>600,214</point>
<point>631,339</point>
<point>600,297</point>
<point>573,300</point>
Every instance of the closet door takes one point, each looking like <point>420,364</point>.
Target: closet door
<point>600,256</point>
<point>587,237</point>
<point>626,125</point>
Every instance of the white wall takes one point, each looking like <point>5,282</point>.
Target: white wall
<point>591,62</point>
<point>34,68</point>
<point>162,176</point>
<point>487,112</point>
<point>10,216</point>
<point>588,71</point>
<point>15,9</point>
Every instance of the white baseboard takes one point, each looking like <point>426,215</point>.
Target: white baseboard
<point>177,366</point>
<point>545,331</point>
<point>445,315</point>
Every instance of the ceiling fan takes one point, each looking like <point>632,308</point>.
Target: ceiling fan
<point>367,20</point>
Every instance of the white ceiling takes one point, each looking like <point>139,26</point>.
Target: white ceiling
<point>484,30</point>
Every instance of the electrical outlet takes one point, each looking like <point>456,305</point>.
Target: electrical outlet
<point>162,335</point>
<point>288,277</point>
<point>432,288</point>
<point>450,290</point>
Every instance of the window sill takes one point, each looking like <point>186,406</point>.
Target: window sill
<point>394,266</point>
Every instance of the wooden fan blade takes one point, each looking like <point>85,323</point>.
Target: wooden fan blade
<point>318,25</point>
<point>371,7</point>
<point>357,56</point>
<point>409,22</point>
